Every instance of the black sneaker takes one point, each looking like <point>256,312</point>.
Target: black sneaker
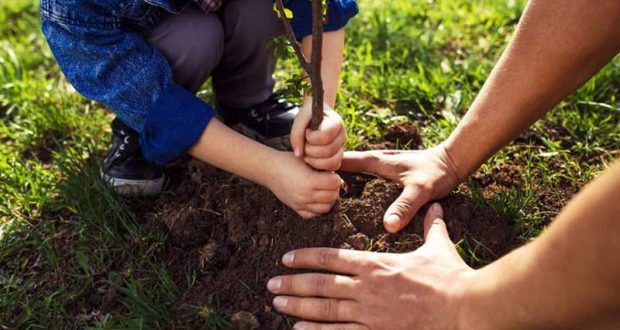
<point>269,122</point>
<point>125,167</point>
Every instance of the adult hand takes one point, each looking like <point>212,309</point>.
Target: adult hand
<point>425,175</point>
<point>322,149</point>
<point>421,289</point>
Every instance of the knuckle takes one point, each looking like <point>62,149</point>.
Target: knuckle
<point>331,150</point>
<point>403,207</point>
<point>329,309</point>
<point>373,264</point>
<point>310,151</point>
<point>320,284</point>
<point>326,257</point>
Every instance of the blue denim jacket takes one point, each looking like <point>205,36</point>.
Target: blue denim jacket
<point>99,49</point>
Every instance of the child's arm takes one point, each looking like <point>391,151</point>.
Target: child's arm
<point>306,191</point>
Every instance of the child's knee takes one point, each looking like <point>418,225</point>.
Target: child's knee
<point>193,44</point>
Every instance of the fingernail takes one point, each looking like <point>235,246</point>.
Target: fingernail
<point>274,284</point>
<point>296,152</point>
<point>288,259</point>
<point>280,302</point>
<point>436,209</point>
<point>392,220</point>
<point>300,326</point>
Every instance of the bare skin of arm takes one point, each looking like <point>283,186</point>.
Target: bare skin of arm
<point>323,149</point>
<point>566,279</point>
<point>295,183</point>
<point>557,47</point>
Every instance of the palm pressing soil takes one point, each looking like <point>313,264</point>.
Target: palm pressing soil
<point>232,234</point>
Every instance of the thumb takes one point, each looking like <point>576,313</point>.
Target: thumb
<point>434,227</point>
<point>298,131</point>
<point>400,213</point>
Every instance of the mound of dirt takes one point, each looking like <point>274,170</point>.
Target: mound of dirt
<point>232,234</point>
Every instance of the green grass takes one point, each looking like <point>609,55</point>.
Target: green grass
<point>65,235</point>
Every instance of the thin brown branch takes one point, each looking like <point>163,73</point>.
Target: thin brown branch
<point>316,78</point>
<point>290,35</point>
<point>313,67</point>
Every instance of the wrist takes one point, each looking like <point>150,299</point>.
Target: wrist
<point>451,166</point>
<point>460,164</point>
<point>269,170</point>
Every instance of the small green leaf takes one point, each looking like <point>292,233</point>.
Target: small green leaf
<point>287,12</point>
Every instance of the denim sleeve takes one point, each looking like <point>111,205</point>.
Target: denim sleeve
<point>339,13</point>
<point>120,69</point>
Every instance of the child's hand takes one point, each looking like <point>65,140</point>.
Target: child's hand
<point>323,148</point>
<point>303,189</point>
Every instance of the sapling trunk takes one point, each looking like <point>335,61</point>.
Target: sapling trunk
<point>312,67</point>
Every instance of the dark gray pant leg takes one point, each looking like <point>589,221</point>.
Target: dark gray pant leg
<point>193,44</point>
<point>244,76</point>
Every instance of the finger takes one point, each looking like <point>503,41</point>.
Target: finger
<point>327,150</point>
<point>327,132</point>
<point>305,214</point>
<point>333,260</point>
<point>400,213</point>
<point>298,131</point>
<point>318,209</point>
<point>324,326</point>
<point>327,164</point>
<point>316,309</point>
<point>435,230</point>
<point>324,196</point>
<point>327,181</point>
<point>314,285</point>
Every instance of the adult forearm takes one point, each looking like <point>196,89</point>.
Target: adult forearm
<point>557,47</point>
<point>568,278</point>
<point>224,148</point>
<point>331,66</point>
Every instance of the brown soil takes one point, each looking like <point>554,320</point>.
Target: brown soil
<point>401,136</point>
<point>232,233</point>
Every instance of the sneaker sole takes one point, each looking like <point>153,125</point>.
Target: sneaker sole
<point>280,142</point>
<point>135,187</point>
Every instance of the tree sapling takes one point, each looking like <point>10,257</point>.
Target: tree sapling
<point>312,67</point>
